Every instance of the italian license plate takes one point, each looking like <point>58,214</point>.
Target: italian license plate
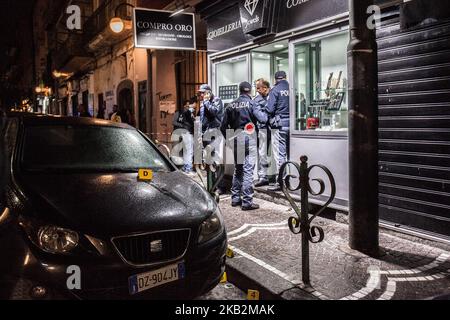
<point>156,278</point>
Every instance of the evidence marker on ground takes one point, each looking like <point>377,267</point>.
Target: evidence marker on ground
<point>253,295</point>
<point>224,278</point>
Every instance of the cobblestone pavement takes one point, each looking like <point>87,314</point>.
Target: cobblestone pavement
<point>225,291</point>
<point>270,256</point>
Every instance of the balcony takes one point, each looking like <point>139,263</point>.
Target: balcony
<point>96,29</point>
<point>71,56</point>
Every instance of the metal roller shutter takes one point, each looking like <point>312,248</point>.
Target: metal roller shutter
<point>414,111</point>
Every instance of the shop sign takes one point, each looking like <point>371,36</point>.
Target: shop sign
<point>297,13</point>
<point>156,29</point>
<point>255,16</point>
<point>225,30</point>
<point>251,18</point>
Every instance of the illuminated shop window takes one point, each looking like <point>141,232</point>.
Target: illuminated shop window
<point>321,84</point>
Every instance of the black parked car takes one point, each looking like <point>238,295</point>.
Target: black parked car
<point>73,205</point>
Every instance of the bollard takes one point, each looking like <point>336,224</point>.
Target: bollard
<point>302,223</point>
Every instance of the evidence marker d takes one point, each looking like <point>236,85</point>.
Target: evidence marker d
<point>145,175</point>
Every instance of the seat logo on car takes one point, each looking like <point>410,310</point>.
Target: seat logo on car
<point>156,246</point>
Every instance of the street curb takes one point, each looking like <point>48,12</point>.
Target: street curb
<point>245,283</point>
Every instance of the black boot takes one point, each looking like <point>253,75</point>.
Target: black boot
<point>254,206</point>
<point>236,204</point>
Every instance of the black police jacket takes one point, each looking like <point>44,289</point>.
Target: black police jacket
<point>211,113</point>
<point>241,112</point>
<point>184,120</point>
<point>278,102</point>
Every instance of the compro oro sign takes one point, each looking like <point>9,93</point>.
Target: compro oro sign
<point>157,29</point>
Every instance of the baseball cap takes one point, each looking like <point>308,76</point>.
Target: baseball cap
<point>204,88</point>
<point>245,87</point>
<point>280,75</point>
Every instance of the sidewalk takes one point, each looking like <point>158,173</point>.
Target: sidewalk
<point>268,259</point>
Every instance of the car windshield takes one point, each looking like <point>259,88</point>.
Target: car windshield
<point>91,149</point>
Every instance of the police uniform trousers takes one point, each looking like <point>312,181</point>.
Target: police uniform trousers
<point>280,146</point>
<point>245,155</point>
<point>263,149</point>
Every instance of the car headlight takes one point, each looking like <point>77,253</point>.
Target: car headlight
<point>211,227</point>
<point>56,240</point>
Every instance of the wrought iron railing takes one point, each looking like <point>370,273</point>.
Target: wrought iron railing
<point>302,223</point>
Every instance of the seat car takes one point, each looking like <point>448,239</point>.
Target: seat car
<point>76,222</point>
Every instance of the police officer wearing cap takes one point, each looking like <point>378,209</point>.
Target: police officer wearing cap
<point>211,116</point>
<point>278,110</point>
<point>211,109</point>
<point>241,116</point>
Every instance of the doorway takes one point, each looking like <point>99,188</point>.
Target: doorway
<point>101,101</point>
<point>142,106</point>
<point>75,105</point>
<point>125,98</point>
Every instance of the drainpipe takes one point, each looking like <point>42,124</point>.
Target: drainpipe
<point>363,131</point>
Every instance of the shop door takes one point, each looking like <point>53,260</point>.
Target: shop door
<point>101,101</point>
<point>86,99</point>
<point>126,102</point>
<point>414,110</point>
<point>75,105</point>
<point>64,103</point>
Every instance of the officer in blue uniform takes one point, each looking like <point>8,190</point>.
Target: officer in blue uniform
<point>211,116</point>
<point>278,110</point>
<point>211,109</point>
<point>241,116</point>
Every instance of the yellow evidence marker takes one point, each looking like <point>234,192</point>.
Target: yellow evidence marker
<point>224,278</point>
<point>253,295</point>
<point>145,174</point>
<point>230,253</point>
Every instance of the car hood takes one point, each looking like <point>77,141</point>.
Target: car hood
<point>106,205</point>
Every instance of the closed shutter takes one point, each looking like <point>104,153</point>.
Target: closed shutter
<point>414,110</point>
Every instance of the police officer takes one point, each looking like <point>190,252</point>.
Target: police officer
<point>211,116</point>
<point>211,109</point>
<point>278,110</point>
<point>263,89</point>
<point>241,116</point>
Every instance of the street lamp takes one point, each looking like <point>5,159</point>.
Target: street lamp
<point>59,74</point>
<point>117,25</point>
